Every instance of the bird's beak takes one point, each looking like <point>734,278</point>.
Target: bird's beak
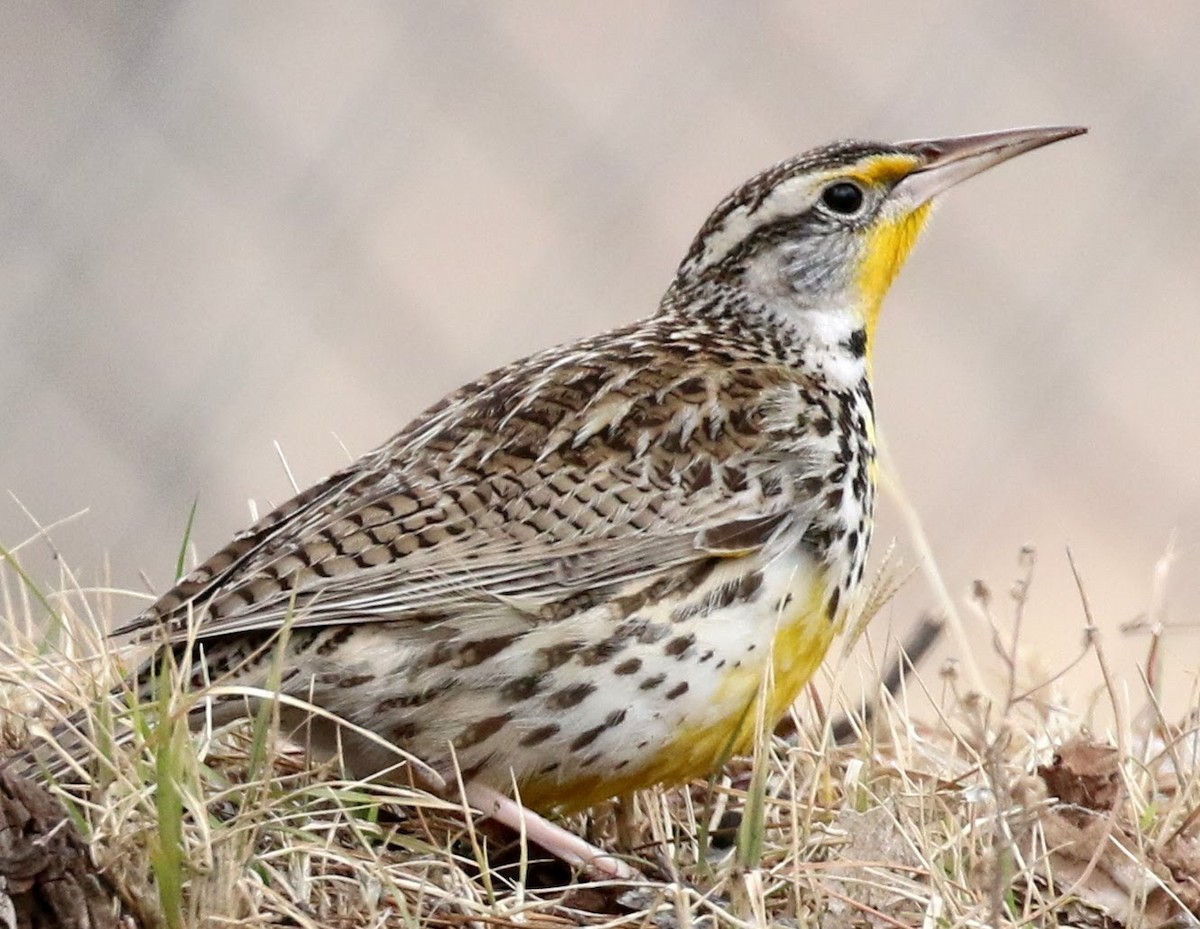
<point>946,162</point>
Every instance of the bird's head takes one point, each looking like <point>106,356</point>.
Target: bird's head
<point>827,231</point>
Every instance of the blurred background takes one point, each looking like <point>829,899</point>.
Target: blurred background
<point>224,226</point>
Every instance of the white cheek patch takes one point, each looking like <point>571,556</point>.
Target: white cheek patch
<point>767,275</point>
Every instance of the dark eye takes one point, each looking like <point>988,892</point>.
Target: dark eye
<point>843,197</point>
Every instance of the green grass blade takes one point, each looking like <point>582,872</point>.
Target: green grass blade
<point>181,561</point>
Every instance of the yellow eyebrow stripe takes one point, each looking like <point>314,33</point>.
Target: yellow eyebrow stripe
<point>883,170</point>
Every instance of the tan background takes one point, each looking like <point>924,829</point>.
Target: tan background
<point>223,225</point>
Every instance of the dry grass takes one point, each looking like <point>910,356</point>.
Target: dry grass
<point>999,809</point>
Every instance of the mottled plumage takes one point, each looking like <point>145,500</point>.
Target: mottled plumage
<point>580,572</point>
<point>558,551</point>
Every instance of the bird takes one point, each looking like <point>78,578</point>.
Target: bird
<point>592,570</point>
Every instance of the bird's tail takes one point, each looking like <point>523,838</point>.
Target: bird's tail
<point>71,748</point>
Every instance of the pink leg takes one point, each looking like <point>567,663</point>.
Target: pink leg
<point>554,839</point>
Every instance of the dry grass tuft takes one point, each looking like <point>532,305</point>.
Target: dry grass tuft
<point>1000,809</point>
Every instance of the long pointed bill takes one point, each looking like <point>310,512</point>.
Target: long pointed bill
<point>949,161</point>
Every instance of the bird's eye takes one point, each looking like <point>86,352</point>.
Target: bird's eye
<point>843,197</point>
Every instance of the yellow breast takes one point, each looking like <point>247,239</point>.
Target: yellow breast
<point>724,720</point>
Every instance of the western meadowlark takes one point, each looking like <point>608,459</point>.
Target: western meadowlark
<point>575,574</point>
